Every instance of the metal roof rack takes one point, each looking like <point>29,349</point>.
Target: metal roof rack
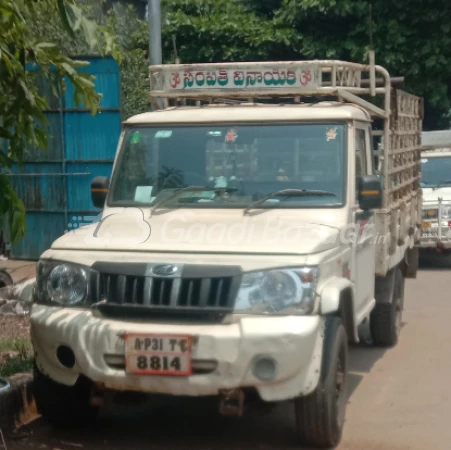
<point>293,79</point>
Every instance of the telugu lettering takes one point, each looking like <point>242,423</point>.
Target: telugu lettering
<point>291,77</point>
<point>211,78</point>
<point>223,78</point>
<point>200,79</point>
<point>253,77</point>
<point>238,78</point>
<point>188,79</point>
<point>278,78</point>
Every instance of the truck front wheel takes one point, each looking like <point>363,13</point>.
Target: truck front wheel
<point>63,406</point>
<point>320,416</point>
<point>386,317</point>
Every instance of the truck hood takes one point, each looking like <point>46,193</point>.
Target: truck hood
<point>208,231</point>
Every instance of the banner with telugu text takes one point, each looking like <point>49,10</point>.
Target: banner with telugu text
<point>267,77</point>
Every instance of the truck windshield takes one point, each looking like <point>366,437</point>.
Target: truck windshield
<point>236,164</point>
<point>436,171</point>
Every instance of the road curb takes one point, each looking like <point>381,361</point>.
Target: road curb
<point>17,405</point>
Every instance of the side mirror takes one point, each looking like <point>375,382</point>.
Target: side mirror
<point>370,192</point>
<point>99,190</point>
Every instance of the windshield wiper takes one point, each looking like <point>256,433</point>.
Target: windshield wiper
<point>441,184</point>
<point>180,191</point>
<point>288,193</point>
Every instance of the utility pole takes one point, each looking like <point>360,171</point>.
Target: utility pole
<point>154,19</point>
<point>155,52</point>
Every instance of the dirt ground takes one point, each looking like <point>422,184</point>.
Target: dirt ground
<point>14,327</point>
<point>399,399</point>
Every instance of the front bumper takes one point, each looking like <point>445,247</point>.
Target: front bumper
<point>223,353</point>
<point>436,237</point>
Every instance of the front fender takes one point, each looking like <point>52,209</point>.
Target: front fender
<point>338,296</point>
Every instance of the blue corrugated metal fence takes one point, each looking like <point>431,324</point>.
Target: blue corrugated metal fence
<point>54,184</point>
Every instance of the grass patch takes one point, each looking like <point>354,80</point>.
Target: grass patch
<point>17,365</point>
<point>23,362</point>
<point>20,345</point>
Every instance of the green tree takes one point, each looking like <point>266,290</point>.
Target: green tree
<point>24,58</point>
<point>131,37</point>
<point>412,38</point>
<point>133,40</point>
<point>222,30</point>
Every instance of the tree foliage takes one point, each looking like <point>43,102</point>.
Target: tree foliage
<point>412,38</point>
<point>133,40</point>
<point>222,30</point>
<point>25,57</point>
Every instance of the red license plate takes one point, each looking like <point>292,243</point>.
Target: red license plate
<point>155,354</point>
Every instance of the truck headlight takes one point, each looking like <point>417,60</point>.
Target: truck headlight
<point>65,284</point>
<point>282,291</point>
<point>445,211</point>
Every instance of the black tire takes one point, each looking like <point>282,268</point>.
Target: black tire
<point>5,279</point>
<point>386,317</point>
<point>320,416</point>
<point>63,406</point>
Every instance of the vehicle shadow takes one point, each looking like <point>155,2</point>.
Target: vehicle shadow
<point>194,423</point>
<point>362,358</point>
<point>179,424</point>
<point>166,423</point>
<point>434,263</point>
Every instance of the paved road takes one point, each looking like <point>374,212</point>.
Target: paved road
<point>399,399</point>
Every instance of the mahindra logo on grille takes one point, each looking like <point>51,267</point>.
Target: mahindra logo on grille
<point>165,270</point>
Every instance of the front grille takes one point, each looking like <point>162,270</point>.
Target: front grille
<point>192,288</point>
<point>433,232</point>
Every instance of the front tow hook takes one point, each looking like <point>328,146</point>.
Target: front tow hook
<point>231,402</point>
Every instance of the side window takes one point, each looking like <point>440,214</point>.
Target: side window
<point>360,154</point>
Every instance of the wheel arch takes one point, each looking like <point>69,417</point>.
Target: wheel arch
<point>338,298</point>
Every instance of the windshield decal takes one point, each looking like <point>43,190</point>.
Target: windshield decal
<point>143,194</point>
<point>331,134</point>
<point>231,136</point>
<point>135,137</point>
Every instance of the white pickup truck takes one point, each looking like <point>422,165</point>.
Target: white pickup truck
<point>244,239</point>
<point>436,187</point>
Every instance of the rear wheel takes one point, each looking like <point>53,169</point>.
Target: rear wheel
<point>386,317</point>
<point>320,416</point>
<point>63,406</point>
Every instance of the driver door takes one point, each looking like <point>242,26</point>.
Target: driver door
<point>364,242</point>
